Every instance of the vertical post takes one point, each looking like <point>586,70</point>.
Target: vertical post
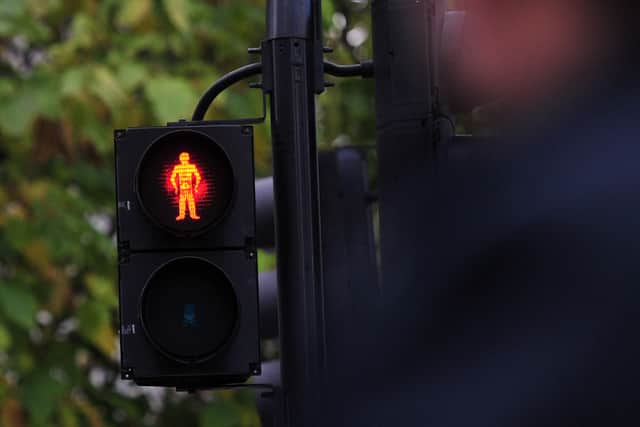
<point>405,72</point>
<point>290,59</point>
<point>349,263</point>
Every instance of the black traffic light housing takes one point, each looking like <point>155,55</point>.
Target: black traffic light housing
<point>147,227</point>
<point>187,259</point>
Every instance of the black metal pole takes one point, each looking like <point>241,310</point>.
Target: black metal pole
<point>290,59</point>
<point>406,142</point>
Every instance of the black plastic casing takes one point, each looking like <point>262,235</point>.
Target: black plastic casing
<point>235,230</point>
<point>229,244</point>
<point>234,362</point>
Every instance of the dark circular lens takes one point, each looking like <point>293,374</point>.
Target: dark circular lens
<point>185,182</point>
<point>189,309</point>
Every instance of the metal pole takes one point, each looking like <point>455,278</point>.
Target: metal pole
<point>405,104</point>
<point>290,54</point>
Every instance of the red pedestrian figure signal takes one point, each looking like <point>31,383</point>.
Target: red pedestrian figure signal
<point>185,182</point>
<point>182,179</point>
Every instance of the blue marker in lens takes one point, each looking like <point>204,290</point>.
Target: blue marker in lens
<point>189,316</point>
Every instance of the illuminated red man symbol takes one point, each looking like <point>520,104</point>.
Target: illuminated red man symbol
<point>185,187</point>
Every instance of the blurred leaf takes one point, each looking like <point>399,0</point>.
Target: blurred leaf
<point>73,81</point>
<point>18,304</point>
<point>6,26</point>
<point>219,414</point>
<point>48,97</point>
<point>105,339</point>
<point>67,416</point>
<point>171,98</point>
<point>5,338</point>
<point>90,412</point>
<point>178,12</point>
<point>36,190</point>
<point>145,44</point>
<point>40,394</point>
<point>37,255</point>
<point>40,8</point>
<point>82,30</point>
<point>131,74</point>
<point>11,7</point>
<point>35,97</point>
<point>11,414</point>
<point>107,88</point>
<point>17,232</point>
<point>242,104</point>
<point>18,112</point>
<point>102,289</point>
<point>133,12</point>
<point>94,324</point>
<point>25,362</point>
<point>6,87</point>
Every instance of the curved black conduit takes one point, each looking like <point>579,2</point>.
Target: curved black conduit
<point>364,69</point>
<point>221,84</point>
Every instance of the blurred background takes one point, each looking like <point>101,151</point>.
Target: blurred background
<point>71,71</point>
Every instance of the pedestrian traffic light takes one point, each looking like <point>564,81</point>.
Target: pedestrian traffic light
<point>186,246</point>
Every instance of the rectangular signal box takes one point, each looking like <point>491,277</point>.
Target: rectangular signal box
<point>186,251</point>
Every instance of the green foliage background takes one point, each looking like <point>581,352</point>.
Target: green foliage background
<point>71,71</point>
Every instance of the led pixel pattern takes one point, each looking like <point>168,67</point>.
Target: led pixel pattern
<point>185,182</point>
